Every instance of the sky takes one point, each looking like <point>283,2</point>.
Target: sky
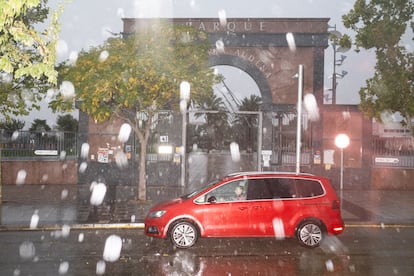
<point>86,23</point>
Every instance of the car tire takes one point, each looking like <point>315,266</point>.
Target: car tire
<point>310,233</point>
<point>183,234</point>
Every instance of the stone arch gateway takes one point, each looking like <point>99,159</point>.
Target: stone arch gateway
<point>259,47</point>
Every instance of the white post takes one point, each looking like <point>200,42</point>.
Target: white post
<point>184,98</point>
<point>299,119</point>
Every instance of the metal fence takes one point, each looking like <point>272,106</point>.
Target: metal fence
<point>393,151</point>
<point>30,144</point>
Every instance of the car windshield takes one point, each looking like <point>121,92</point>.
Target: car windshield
<point>197,191</point>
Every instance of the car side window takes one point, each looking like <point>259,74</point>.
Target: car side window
<point>270,188</point>
<point>308,188</point>
<point>232,191</point>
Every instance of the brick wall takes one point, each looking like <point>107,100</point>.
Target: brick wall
<point>40,172</point>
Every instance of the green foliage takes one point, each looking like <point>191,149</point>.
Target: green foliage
<point>39,125</point>
<point>380,25</point>
<point>138,74</point>
<point>27,56</point>
<point>67,123</point>
<point>12,125</point>
<point>141,72</point>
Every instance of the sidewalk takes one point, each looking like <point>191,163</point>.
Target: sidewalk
<point>61,204</point>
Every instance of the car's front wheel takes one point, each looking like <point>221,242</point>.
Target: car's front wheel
<point>310,233</point>
<point>183,234</point>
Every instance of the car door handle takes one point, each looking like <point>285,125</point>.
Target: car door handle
<point>242,208</point>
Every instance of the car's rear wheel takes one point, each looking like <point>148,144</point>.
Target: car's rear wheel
<point>310,233</point>
<point>183,234</point>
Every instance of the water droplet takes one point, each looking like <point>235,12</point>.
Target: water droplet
<point>27,250</point>
<point>67,90</point>
<point>85,150</point>
<point>81,237</point>
<point>64,194</point>
<point>311,107</point>
<point>124,133</point>
<point>100,267</point>
<point>329,265</point>
<point>34,221</point>
<point>103,56</point>
<point>278,228</point>
<point>21,177</point>
<point>98,193</point>
<point>15,135</point>
<point>235,152</point>
<point>112,250</point>
<point>65,231</point>
<point>63,268</point>
<point>291,41</point>
<point>82,167</point>
<point>222,18</point>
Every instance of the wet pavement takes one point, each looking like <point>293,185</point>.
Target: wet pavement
<point>62,204</point>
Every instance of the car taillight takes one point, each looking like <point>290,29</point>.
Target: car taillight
<point>336,204</point>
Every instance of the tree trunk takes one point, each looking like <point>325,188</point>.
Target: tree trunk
<point>142,183</point>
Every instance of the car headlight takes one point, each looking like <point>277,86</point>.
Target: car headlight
<point>157,214</point>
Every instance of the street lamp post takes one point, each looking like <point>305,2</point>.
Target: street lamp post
<point>184,98</point>
<point>342,141</point>
<point>299,119</point>
<point>336,35</point>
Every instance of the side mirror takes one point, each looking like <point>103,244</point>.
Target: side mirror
<point>212,199</point>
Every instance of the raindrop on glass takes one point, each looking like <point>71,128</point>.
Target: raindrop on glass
<point>311,107</point>
<point>112,250</point>
<point>329,265</point>
<point>67,90</point>
<point>15,135</point>
<point>21,177</point>
<point>291,41</point>
<point>62,155</point>
<point>222,18</point>
<point>34,221</point>
<point>278,228</point>
<point>124,133</point>
<point>81,237</point>
<point>103,56</point>
<point>100,267</point>
<point>64,194</point>
<point>63,268</point>
<point>27,250</point>
<point>85,150</point>
<point>65,231</point>
<point>73,57</point>
<point>98,193</point>
<point>82,167</point>
<point>235,152</point>
<point>220,46</point>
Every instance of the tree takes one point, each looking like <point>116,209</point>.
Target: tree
<point>67,123</point>
<point>39,125</point>
<point>27,56</point>
<point>380,25</point>
<point>246,125</point>
<point>12,125</point>
<point>139,74</point>
<point>217,125</point>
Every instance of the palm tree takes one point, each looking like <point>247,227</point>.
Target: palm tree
<point>217,126</point>
<point>245,126</point>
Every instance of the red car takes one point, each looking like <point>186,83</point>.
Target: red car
<point>251,204</point>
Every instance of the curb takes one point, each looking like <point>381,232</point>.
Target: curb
<point>141,225</point>
<point>75,227</point>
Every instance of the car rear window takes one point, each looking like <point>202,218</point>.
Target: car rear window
<point>308,188</point>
